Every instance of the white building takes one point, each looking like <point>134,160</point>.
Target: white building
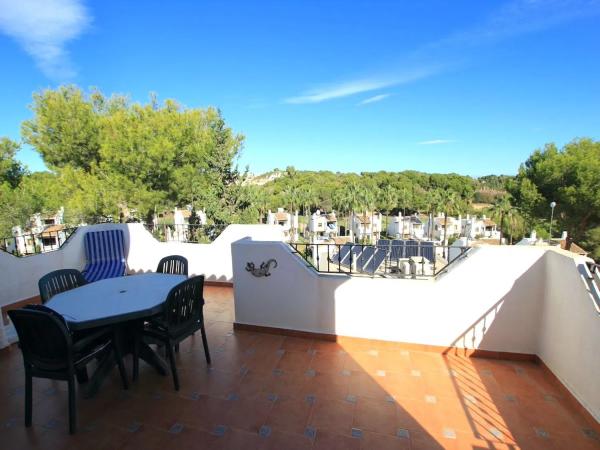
<point>286,220</point>
<point>479,228</point>
<point>40,222</point>
<point>401,227</point>
<point>177,223</point>
<point>43,233</point>
<point>436,228</point>
<point>323,226</point>
<point>367,226</point>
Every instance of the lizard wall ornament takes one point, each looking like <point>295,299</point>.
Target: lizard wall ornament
<point>263,270</point>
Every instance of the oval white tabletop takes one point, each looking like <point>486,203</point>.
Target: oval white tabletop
<point>114,300</point>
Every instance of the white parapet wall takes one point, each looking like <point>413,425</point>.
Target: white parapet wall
<point>527,300</point>
<point>19,275</point>
<point>569,333</point>
<point>448,312</point>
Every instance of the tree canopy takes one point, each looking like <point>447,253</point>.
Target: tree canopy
<point>109,156</point>
<point>112,154</point>
<point>569,176</point>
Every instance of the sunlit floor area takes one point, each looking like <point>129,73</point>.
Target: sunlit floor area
<point>273,392</point>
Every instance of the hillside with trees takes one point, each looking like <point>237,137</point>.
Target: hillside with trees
<point>113,159</point>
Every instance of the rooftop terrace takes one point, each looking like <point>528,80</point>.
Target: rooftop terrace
<point>406,379</point>
<point>267,391</point>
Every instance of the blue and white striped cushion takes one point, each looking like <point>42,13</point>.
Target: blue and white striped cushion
<point>105,255</point>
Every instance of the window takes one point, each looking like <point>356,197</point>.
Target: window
<point>49,241</point>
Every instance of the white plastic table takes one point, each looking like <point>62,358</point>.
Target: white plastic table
<point>122,303</point>
<point>114,300</point>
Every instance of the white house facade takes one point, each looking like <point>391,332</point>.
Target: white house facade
<point>401,227</point>
<point>323,226</point>
<point>367,226</point>
<point>289,222</point>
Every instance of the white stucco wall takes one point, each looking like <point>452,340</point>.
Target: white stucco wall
<point>507,299</point>
<point>19,276</point>
<point>448,312</point>
<point>569,337</point>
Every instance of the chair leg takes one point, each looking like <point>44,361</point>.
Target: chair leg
<point>136,357</point>
<point>72,406</point>
<point>205,344</point>
<point>177,348</point>
<point>28,396</point>
<point>82,375</point>
<point>119,357</point>
<point>171,355</point>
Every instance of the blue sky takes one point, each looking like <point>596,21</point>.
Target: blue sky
<point>461,86</point>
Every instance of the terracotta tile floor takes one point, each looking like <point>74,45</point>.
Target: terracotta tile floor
<point>272,392</point>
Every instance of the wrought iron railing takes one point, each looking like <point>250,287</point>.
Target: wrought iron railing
<point>185,232</point>
<point>35,243</point>
<point>47,241</point>
<point>401,259</point>
<point>594,268</point>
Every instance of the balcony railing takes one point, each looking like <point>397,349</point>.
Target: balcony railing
<point>35,243</point>
<point>400,259</point>
<point>47,241</point>
<point>185,232</point>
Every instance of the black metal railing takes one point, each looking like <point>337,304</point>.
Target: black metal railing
<point>34,243</point>
<point>594,267</point>
<point>417,259</point>
<point>185,232</point>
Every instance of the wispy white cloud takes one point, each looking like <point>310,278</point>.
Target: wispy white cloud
<point>374,99</point>
<point>518,17</point>
<point>348,88</point>
<point>436,142</point>
<point>43,28</point>
<point>514,18</point>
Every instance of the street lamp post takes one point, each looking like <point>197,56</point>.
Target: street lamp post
<point>552,206</point>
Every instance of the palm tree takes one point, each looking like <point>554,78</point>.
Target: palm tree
<point>516,223</point>
<point>338,202</point>
<point>292,196</point>
<point>388,199</point>
<point>352,197</point>
<point>308,198</point>
<point>368,200</point>
<point>502,208</point>
<point>432,204</point>
<point>448,203</point>
<point>255,197</point>
<point>407,197</point>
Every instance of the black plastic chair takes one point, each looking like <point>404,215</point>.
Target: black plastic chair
<point>182,317</point>
<point>49,351</point>
<point>59,281</point>
<point>174,265</point>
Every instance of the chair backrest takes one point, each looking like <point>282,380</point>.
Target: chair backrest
<point>43,337</point>
<point>59,281</point>
<point>184,303</point>
<point>107,245</point>
<point>174,265</point>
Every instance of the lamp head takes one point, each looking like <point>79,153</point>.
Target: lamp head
<point>552,205</point>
